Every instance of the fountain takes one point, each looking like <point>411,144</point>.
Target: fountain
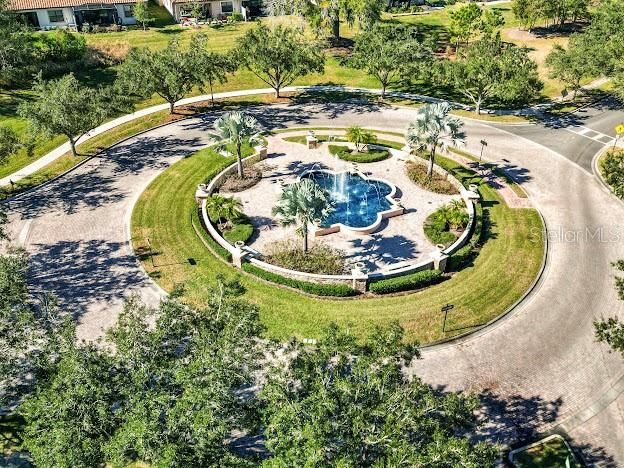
<point>360,204</point>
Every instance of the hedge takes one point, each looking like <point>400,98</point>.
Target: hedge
<point>344,153</point>
<point>198,222</point>
<point>406,283</point>
<point>337,290</point>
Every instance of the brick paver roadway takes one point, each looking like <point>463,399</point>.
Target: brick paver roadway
<point>539,369</point>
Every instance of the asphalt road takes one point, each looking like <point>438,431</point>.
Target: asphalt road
<point>538,370</point>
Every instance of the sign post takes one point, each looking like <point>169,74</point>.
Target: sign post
<point>446,309</point>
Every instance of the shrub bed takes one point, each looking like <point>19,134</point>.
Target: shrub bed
<point>335,290</point>
<point>612,169</point>
<point>462,256</point>
<point>406,283</point>
<point>445,225</point>
<point>321,259</point>
<point>346,154</point>
<point>437,183</point>
<point>239,229</point>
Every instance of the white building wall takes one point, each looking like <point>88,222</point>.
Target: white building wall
<point>44,20</point>
<point>122,17</point>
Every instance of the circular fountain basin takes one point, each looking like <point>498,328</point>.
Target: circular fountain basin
<point>360,203</point>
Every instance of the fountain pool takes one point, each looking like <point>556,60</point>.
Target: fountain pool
<point>360,203</point>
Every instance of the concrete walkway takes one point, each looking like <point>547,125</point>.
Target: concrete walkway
<point>538,370</point>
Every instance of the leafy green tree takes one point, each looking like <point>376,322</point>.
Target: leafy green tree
<point>170,73</point>
<point>465,22</point>
<point>434,128</point>
<point>214,68</point>
<point>141,12</point>
<point>279,56</point>
<point>16,47</point>
<point>488,69</point>
<point>70,416</point>
<point>360,137</point>
<point>569,66</point>
<point>611,330</point>
<point>236,129</point>
<point>492,21</point>
<point>341,403</point>
<point>9,143</point>
<point>301,204</point>
<point>180,380</point>
<point>67,107</point>
<point>388,53</point>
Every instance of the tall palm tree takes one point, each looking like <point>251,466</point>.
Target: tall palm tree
<point>301,204</point>
<point>434,128</point>
<point>236,128</point>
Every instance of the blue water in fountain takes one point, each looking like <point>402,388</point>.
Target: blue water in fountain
<point>356,201</point>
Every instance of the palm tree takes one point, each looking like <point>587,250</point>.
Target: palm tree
<point>236,128</point>
<point>434,128</point>
<point>231,209</point>
<point>301,204</point>
<point>360,137</point>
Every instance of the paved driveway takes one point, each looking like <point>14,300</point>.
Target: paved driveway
<point>537,369</point>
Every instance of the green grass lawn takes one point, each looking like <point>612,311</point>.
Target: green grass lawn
<point>551,454</point>
<point>479,292</point>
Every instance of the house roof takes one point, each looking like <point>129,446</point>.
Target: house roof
<point>41,4</point>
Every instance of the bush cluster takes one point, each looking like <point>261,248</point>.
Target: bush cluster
<point>416,280</point>
<point>335,290</point>
<point>320,259</point>
<point>462,256</point>
<point>612,168</point>
<point>437,184</point>
<point>347,154</point>
<point>443,225</point>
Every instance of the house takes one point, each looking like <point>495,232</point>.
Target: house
<point>51,14</point>
<point>211,9</point>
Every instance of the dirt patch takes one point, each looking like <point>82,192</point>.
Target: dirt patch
<point>234,184</point>
<point>517,34</point>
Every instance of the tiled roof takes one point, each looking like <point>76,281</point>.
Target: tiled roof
<point>41,4</point>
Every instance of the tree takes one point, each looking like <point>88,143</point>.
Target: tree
<point>611,330</point>
<point>465,22</point>
<point>342,403</point>
<point>388,53</point>
<point>360,137</point>
<point>433,129</point>
<point>487,69</point>
<point>168,395</point>
<point>9,143</point>
<point>569,66</point>
<point>237,129</point>
<point>220,207</point>
<point>16,47</point>
<point>279,56</point>
<point>214,68</point>
<point>66,107</point>
<point>170,73</point>
<point>141,12</point>
<point>301,204</point>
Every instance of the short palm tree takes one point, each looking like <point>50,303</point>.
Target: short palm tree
<point>301,204</point>
<point>360,137</point>
<point>236,128</point>
<point>434,128</point>
<point>231,209</point>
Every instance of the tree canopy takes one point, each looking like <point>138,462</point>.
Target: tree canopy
<point>389,53</point>
<point>65,106</point>
<point>487,68</point>
<point>170,73</point>
<point>280,55</point>
<point>550,12</point>
<point>341,403</point>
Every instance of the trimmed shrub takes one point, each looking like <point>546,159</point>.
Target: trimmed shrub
<point>612,168</point>
<point>320,259</point>
<point>437,184</point>
<point>335,290</point>
<point>416,280</point>
<point>346,154</point>
<point>242,230</point>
